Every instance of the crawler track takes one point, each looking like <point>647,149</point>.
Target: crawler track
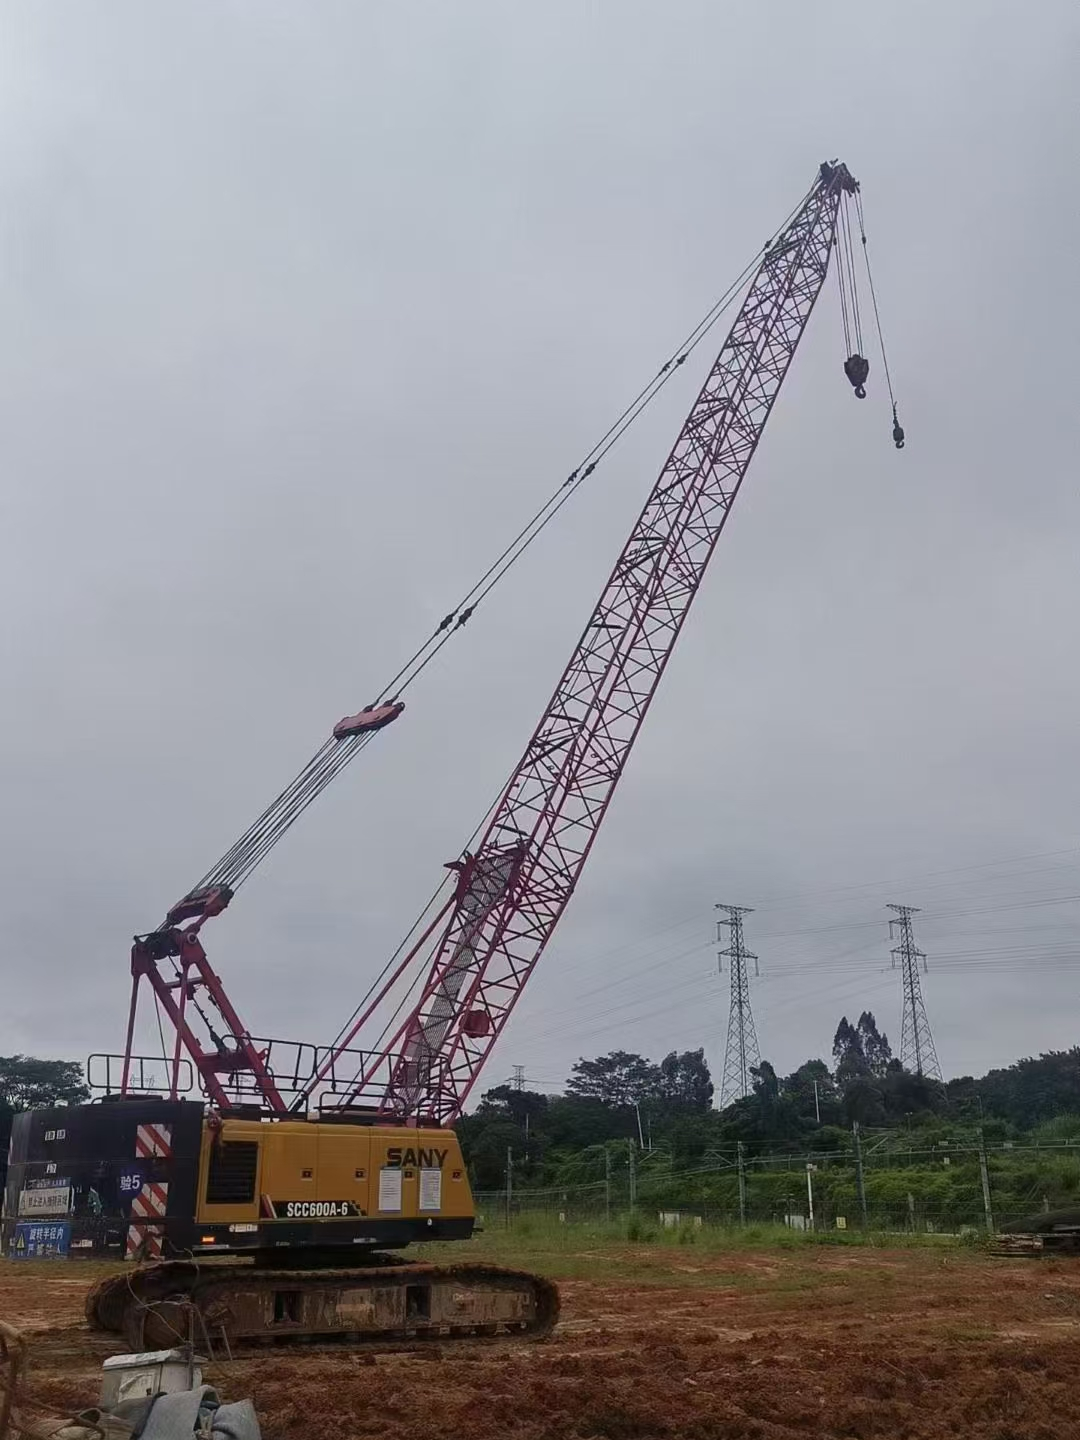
<point>243,1307</point>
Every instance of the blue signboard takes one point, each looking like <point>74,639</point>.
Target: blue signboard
<point>40,1242</point>
<point>132,1178</point>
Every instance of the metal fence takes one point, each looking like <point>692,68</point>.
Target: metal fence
<point>879,1183</point>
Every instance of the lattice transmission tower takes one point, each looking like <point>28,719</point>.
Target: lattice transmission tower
<point>741,1052</point>
<point>917,1052</point>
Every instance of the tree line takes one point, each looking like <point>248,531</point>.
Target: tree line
<point>624,1096</point>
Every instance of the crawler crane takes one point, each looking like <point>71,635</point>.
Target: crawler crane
<point>302,1165</point>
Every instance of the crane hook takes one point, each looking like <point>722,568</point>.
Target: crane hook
<point>857,368</point>
<point>897,430</point>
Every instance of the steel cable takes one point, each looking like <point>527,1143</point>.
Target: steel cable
<point>873,297</point>
<point>237,864</point>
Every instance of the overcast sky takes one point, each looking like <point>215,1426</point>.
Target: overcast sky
<point>303,308</point>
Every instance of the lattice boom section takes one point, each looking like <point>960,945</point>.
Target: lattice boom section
<point>557,797</point>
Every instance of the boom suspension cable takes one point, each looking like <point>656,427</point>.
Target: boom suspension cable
<point>237,864</point>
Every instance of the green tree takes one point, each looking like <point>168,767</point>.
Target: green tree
<point>523,1107</point>
<point>1032,1090</point>
<point>905,1094</point>
<point>27,1083</point>
<point>863,1100</point>
<point>875,1047</point>
<point>617,1079</point>
<point>487,1153</point>
<point>777,1117</point>
<point>862,1058</point>
<point>683,1084</point>
<point>798,1088</point>
<point>766,1083</point>
<point>574,1122</point>
<point>505,1117</point>
<point>848,1052</point>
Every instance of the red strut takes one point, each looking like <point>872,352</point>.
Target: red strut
<point>512,890</point>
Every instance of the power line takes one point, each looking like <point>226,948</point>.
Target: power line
<point>772,902</point>
<point>855,965</point>
<point>645,939</point>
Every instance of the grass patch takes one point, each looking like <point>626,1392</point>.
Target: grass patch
<point>965,1334</point>
<point>543,1231</point>
<point>635,1248</point>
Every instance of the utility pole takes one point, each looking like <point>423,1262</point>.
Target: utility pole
<point>817,1103</point>
<point>742,1185</point>
<point>860,1182</point>
<point>917,1053</point>
<point>509,1183</point>
<point>607,1183</point>
<point>518,1083</point>
<point>810,1191</point>
<point>984,1175</point>
<point>633,1177</point>
<point>741,1053</point>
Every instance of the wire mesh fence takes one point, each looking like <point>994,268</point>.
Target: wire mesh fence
<point>882,1185</point>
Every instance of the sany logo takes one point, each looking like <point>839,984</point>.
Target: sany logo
<point>423,1159</point>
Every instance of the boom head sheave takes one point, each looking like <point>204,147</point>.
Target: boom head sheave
<point>834,175</point>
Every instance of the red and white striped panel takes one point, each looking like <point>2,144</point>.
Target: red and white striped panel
<point>153,1140</point>
<point>145,1236</point>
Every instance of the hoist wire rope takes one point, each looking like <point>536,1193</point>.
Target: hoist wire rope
<point>854,279</point>
<point>873,297</point>
<point>846,258</point>
<point>842,288</point>
<point>255,843</point>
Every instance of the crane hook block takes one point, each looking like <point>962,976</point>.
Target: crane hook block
<point>373,718</point>
<point>857,368</point>
<point>897,431</point>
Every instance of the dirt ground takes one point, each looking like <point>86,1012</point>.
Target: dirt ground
<point>876,1344</point>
